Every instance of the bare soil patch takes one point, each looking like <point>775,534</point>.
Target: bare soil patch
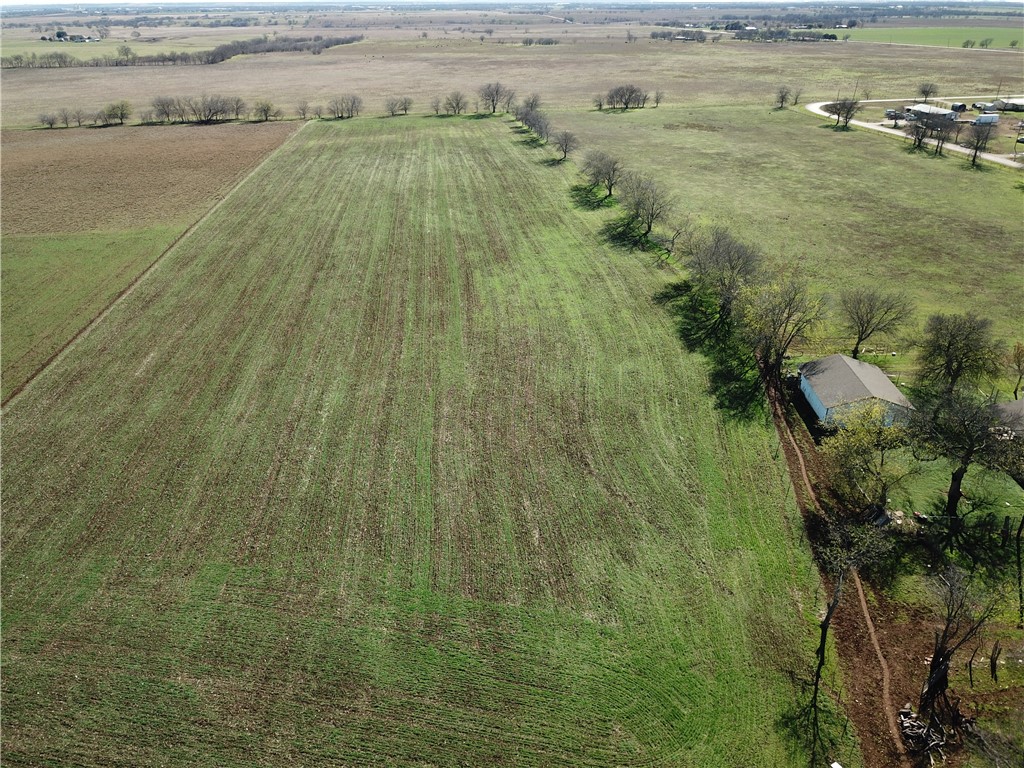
<point>124,178</point>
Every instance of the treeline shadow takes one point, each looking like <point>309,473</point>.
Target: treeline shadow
<point>588,198</point>
<point>733,379</point>
<point>622,232</point>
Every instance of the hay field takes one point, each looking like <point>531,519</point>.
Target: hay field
<point>391,462</point>
<point>86,210</point>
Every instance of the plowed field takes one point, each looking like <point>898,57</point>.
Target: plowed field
<point>84,212</point>
<point>391,462</point>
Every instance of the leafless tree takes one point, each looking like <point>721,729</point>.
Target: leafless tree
<point>783,95</point>
<point>318,111</point>
<point>265,110</point>
<point>302,109</point>
<point>775,315</point>
<point>977,140</point>
<point>599,101</point>
<point>336,108</point>
<point>721,266</point>
<point>405,104</point>
<point>48,119</point>
<point>865,312</point>
<point>797,93</point>
<point>392,105</point>
<point>645,202</point>
<point>237,106</point>
<point>844,111</point>
<point>927,91</point>
<point>602,170</point>
<point>659,96</point>
<point>566,142</point>
<point>64,115</point>
<point>455,103</point>
<point>351,106</point>
<point>532,102</point>
<point>435,104</point>
<point>119,110</point>
<point>492,95</point>
<point>78,115</point>
<point>627,96</point>
<point>965,615</point>
<point>509,99</point>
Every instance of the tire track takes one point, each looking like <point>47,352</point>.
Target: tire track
<point>782,427</point>
<point>86,329</point>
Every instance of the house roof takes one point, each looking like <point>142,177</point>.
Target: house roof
<point>1011,414</point>
<point>840,380</point>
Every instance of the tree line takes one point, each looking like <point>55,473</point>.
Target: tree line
<point>126,56</point>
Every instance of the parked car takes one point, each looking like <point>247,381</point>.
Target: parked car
<point>981,105</point>
<point>892,114</point>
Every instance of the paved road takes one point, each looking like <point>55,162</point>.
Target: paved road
<point>816,108</point>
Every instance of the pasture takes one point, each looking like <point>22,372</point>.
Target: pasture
<point>391,461</point>
<point>951,36</point>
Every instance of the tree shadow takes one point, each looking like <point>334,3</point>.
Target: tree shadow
<point>551,162</point>
<point>532,141</point>
<point>733,380</point>
<point>521,130</point>
<point>622,233</point>
<point>588,198</point>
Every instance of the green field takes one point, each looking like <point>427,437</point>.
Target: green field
<point>392,462</point>
<point>55,284</point>
<point>947,37</point>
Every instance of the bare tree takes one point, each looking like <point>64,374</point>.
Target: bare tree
<point>48,119</point>
<point>566,142</point>
<point>336,108</point>
<point>797,93</point>
<point>599,101</point>
<point>977,140</point>
<point>318,111</point>
<point>965,615</point>
<point>775,315</point>
<point>351,106</point>
<point>64,114</point>
<point>264,110</point>
<point>78,115</point>
<point>844,111</point>
<point>927,91</point>
<point>237,106</point>
<point>405,104</point>
<point>865,312</point>
<point>602,170</point>
<point>783,96</point>
<point>957,348</point>
<point>302,109</point>
<point>119,110</point>
<point>645,202</point>
<point>659,96</point>
<point>392,105</point>
<point>721,266</point>
<point>532,102</point>
<point>455,103</point>
<point>435,104</point>
<point>492,94</point>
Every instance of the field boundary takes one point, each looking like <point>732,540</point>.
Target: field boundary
<point>86,329</point>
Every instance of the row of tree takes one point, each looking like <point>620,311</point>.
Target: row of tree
<point>126,56</point>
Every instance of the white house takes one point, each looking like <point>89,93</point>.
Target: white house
<point>836,382</point>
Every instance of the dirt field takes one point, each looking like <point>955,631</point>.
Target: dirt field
<point>124,178</point>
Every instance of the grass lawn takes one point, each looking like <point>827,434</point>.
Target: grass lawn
<point>392,462</point>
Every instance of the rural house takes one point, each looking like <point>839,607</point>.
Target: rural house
<point>836,382</point>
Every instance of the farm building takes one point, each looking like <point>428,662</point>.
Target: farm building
<point>930,110</point>
<point>1008,105</point>
<point>837,382</point>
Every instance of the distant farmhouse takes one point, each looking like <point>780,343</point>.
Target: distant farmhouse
<point>930,110</point>
<point>837,382</point>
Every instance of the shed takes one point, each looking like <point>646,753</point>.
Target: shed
<point>837,382</point>
<point>930,110</point>
<point>1008,105</point>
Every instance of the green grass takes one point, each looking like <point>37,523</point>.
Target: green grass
<point>55,284</point>
<point>843,208</point>
<point>947,37</point>
<point>391,462</point>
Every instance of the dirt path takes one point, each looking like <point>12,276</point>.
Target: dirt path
<point>130,288</point>
<point>817,108</point>
<point>806,490</point>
